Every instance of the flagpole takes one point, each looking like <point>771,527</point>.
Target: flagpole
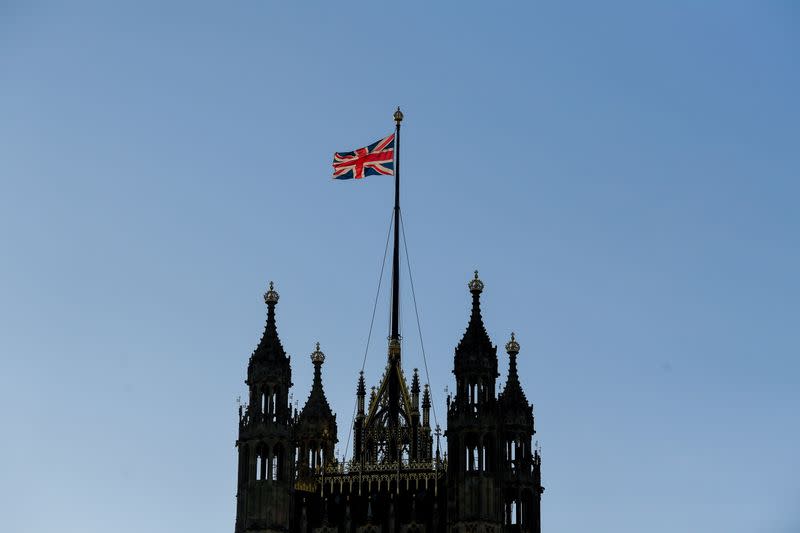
<point>398,118</point>
<point>394,339</point>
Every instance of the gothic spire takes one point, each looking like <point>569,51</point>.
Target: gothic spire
<point>270,347</point>
<point>317,410</point>
<point>513,395</point>
<point>315,427</point>
<point>269,360</point>
<point>475,345</point>
<point>361,390</point>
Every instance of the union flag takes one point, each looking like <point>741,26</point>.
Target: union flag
<point>377,158</point>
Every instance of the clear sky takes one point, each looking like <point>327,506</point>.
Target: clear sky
<point>624,175</point>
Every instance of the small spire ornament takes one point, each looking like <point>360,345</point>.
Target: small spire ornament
<point>475,284</point>
<point>317,357</point>
<point>271,296</point>
<point>512,346</point>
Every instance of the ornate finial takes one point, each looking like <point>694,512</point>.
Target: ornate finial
<point>317,357</point>
<point>398,115</point>
<point>475,284</point>
<point>271,296</point>
<point>512,346</point>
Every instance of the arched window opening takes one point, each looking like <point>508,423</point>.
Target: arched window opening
<point>278,466</point>
<point>258,467</point>
<point>271,405</point>
<point>515,514</point>
<point>473,458</point>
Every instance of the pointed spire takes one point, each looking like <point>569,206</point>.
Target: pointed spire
<point>415,382</point>
<point>475,339</point>
<point>361,390</point>
<point>426,407</point>
<point>513,395</point>
<point>316,414</point>
<point>270,347</point>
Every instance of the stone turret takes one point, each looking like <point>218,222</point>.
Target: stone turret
<point>265,472</point>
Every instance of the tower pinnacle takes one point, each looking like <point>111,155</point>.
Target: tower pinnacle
<point>271,296</point>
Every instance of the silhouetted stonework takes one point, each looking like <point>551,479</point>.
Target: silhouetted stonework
<point>397,481</point>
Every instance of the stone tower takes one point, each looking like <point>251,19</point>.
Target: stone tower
<point>314,435</point>
<point>473,499</point>
<point>397,480</point>
<point>521,466</point>
<point>266,471</point>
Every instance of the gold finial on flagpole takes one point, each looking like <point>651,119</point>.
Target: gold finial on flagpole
<point>398,115</point>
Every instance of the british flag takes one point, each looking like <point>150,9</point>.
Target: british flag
<point>377,158</point>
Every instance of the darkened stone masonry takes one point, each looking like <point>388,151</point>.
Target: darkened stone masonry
<point>398,480</point>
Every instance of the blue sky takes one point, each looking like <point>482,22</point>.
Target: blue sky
<point>623,174</point>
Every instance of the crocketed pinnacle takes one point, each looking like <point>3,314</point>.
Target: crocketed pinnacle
<point>513,395</point>
<point>270,347</point>
<point>475,340</point>
<point>317,409</point>
<point>426,397</point>
<point>362,388</point>
<point>415,382</point>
